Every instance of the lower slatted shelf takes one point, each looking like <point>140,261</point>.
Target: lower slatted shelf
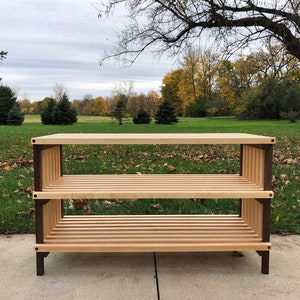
<point>154,233</point>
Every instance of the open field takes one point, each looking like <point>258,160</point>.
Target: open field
<point>16,172</point>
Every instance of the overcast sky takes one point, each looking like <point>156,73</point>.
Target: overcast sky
<point>61,41</point>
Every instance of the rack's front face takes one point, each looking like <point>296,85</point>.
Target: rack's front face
<point>247,231</point>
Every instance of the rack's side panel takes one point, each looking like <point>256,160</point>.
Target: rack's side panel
<point>256,166</point>
<point>47,168</point>
<point>253,168</point>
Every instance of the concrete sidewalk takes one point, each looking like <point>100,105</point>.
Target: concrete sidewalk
<point>131,276</point>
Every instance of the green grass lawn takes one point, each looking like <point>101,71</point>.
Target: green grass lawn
<point>16,171</point>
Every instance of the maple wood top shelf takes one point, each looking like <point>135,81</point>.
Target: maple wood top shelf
<point>155,138</point>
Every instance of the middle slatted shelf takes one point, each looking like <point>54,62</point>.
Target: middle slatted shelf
<point>152,186</point>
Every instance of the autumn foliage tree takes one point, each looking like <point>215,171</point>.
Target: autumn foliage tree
<point>90,106</point>
<point>170,90</point>
<point>191,88</point>
<point>206,85</point>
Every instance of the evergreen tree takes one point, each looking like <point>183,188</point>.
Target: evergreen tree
<point>63,112</point>
<point>142,117</point>
<point>47,112</point>
<point>166,114</point>
<point>7,101</point>
<point>14,116</point>
<point>120,111</point>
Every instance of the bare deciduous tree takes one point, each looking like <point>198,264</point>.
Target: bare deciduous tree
<point>125,88</point>
<point>2,55</point>
<point>170,26</point>
<point>59,89</point>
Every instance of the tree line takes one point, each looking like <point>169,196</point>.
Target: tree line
<point>100,106</point>
<point>140,107</point>
<point>264,84</point>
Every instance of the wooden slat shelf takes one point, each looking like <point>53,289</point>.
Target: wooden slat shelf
<point>152,233</point>
<point>154,138</point>
<point>151,186</point>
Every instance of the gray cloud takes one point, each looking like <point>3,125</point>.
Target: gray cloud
<point>60,41</point>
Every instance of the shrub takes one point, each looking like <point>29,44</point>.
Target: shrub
<point>142,117</point>
<point>263,102</point>
<point>292,116</point>
<point>196,109</point>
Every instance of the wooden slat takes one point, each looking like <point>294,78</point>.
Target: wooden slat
<point>152,233</point>
<point>156,138</point>
<point>187,247</point>
<point>51,165</point>
<point>151,186</point>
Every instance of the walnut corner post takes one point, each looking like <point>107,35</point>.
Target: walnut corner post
<point>47,212</point>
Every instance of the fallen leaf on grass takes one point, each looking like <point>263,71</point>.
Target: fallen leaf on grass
<point>108,204</point>
<point>6,166</point>
<point>30,211</point>
<point>171,169</point>
<point>80,204</point>
<point>158,206</point>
